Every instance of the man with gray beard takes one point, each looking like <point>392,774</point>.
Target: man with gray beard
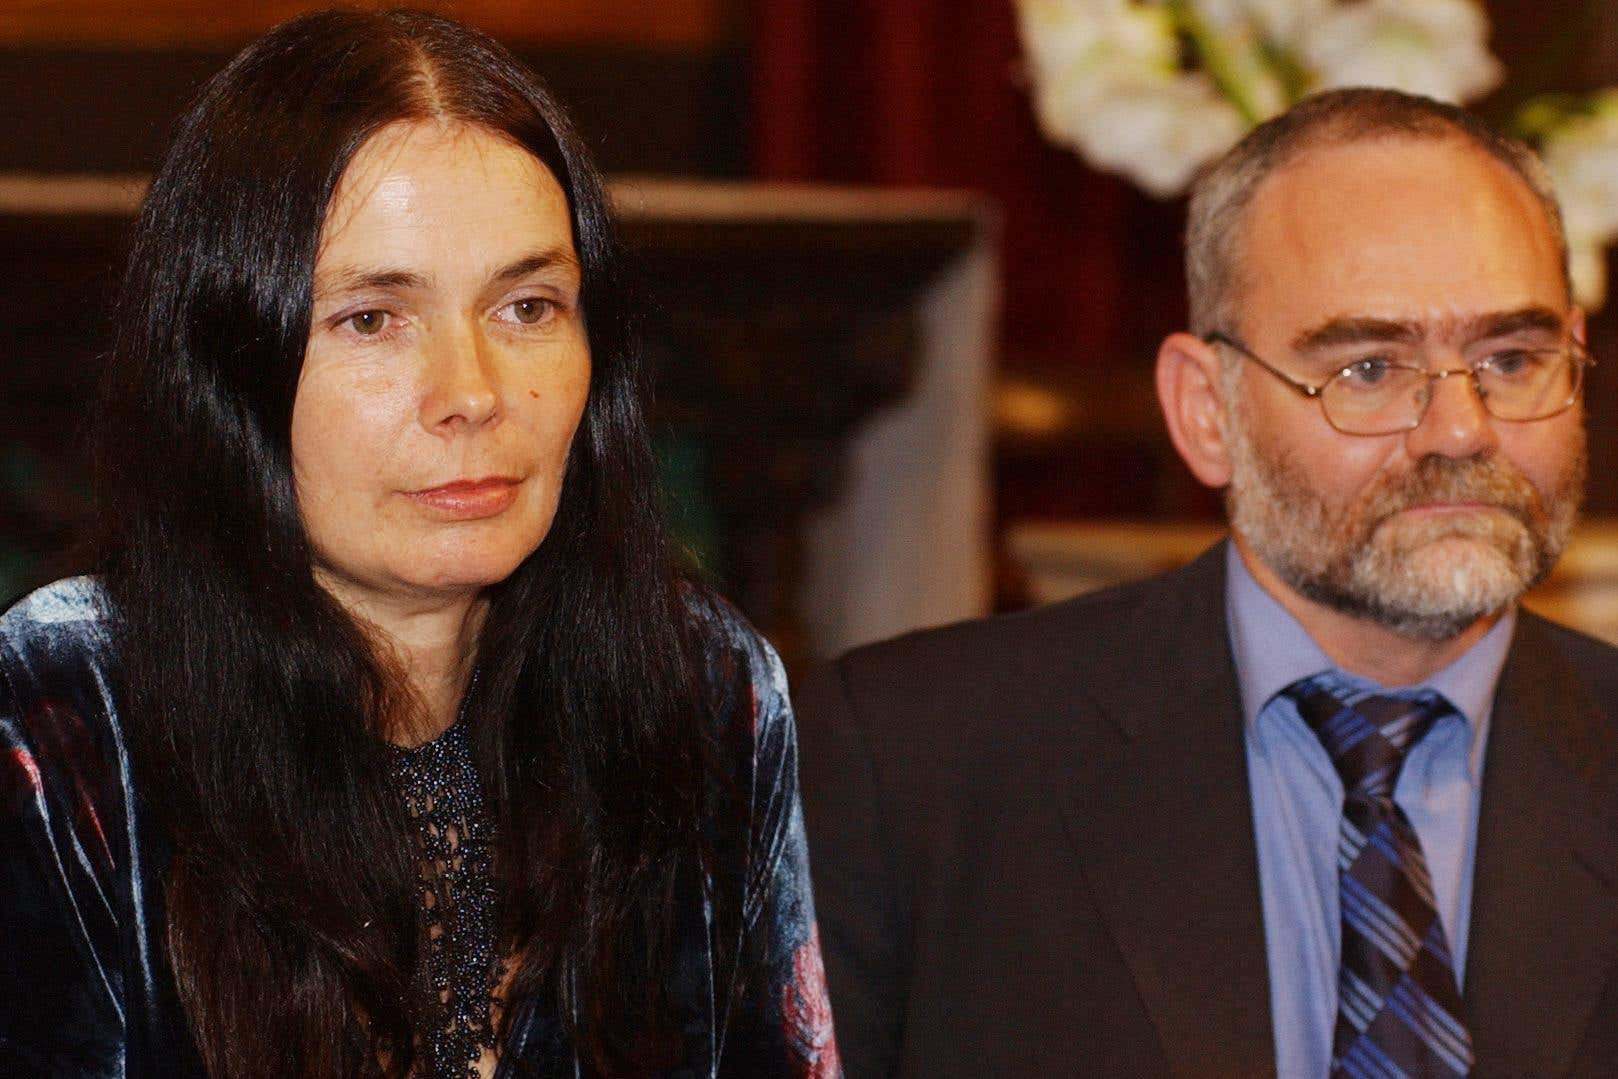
<point>1325,802</point>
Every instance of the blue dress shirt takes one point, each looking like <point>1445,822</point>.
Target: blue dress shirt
<point>1297,808</point>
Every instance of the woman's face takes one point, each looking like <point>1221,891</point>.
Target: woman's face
<point>447,365</point>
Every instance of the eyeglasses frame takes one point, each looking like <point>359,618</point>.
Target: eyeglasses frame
<point>1578,353</point>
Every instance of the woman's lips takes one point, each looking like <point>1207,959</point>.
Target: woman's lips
<point>468,500</point>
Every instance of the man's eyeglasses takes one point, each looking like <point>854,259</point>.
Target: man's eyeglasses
<point>1385,394</point>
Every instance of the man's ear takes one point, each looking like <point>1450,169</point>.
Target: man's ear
<point>1576,325</point>
<point>1189,389</point>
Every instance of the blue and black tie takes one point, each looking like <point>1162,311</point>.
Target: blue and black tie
<point>1398,1004</point>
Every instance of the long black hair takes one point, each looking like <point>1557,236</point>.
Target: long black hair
<point>256,705</point>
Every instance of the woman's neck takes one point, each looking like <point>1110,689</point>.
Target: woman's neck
<point>430,639</point>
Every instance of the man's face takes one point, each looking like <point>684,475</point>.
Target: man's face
<point>1432,249</point>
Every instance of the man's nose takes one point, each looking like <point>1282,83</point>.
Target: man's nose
<point>1456,423</point>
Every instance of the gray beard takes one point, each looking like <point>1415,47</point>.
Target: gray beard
<point>1425,579</point>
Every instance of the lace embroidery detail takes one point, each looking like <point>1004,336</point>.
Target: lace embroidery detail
<point>439,786</point>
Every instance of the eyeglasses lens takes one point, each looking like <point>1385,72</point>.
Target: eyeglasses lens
<point>1373,399</point>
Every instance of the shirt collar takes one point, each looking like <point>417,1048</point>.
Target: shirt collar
<point>1272,650</point>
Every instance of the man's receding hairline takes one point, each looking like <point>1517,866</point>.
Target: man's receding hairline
<point>1220,197</point>
<point>1342,134</point>
<point>1328,141</point>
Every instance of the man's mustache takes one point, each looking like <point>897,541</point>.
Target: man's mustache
<point>1445,479</point>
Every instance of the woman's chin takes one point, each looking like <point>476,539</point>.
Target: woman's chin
<point>474,559</point>
<point>468,578</point>
<point>460,572</point>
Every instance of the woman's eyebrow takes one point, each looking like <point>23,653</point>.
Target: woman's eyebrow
<point>351,279</point>
<point>346,279</point>
<point>555,257</point>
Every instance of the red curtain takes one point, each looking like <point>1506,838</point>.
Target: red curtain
<point>930,92</point>
<point>927,92</point>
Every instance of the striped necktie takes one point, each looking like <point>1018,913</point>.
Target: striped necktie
<point>1398,1004</point>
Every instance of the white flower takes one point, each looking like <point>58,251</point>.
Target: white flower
<point>1107,83</point>
<point>1582,158</point>
<point>1587,262</point>
<point>1156,129</point>
<point>1076,48</point>
<point>1437,48</point>
<point>1251,76</point>
<point>1067,39</point>
<point>1280,22</point>
<point>1235,42</point>
<point>1108,77</point>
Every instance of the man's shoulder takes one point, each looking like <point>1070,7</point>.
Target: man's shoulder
<point>1024,683</point>
<point>1595,660</point>
<point>1573,641</point>
<point>1118,624</point>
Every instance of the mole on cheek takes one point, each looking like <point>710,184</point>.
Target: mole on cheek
<point>534,394</point>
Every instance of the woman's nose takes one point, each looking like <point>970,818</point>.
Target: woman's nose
<point>461,389</point>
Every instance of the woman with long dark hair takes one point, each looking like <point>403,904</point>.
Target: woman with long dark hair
<point>387,741</point>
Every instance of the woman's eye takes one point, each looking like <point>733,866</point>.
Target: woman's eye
<point>367,323</point>
<point>530,311</point>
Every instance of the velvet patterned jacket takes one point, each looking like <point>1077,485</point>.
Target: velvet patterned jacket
<point>85,991</point>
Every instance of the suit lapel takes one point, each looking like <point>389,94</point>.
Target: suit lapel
<point>1544,932</point>
<point>1165,835</point>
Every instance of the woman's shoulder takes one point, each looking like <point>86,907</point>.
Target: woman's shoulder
<point>57,707</point>
<point>61,739</point>
<point>722,625</point>
<point>60,630</point>
<point>742,671</point>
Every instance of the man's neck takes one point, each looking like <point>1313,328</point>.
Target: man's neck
<point>1359,646</point>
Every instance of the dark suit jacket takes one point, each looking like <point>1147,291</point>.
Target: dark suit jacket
<point>1033,851</point>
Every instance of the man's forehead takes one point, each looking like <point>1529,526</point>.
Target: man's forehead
<point>1348,183</point>
<point>1397,228</point>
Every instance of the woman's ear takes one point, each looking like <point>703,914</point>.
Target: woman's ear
<point>1190,391</point>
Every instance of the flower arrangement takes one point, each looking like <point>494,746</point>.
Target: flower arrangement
<point>1155,89</point>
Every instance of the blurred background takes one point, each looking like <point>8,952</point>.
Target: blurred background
<point>903,336</point>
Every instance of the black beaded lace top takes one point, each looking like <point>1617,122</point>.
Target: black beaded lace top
<point>443,796</point>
